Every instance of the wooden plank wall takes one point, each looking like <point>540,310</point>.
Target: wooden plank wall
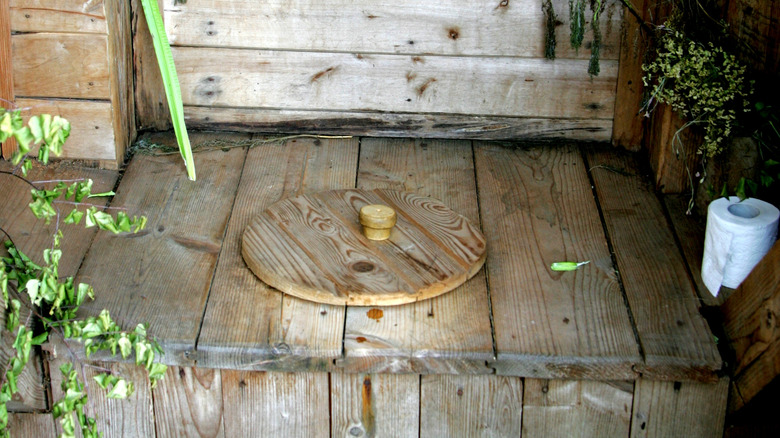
<point>468,69</point>
<point>223,403</point>
<point>73,58</point>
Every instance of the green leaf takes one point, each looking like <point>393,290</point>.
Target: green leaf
<point>740,191</point>
<point>102,195</point>
<point>121,389</point>
<point>170,80</point>
<point>567,266</point>
<point>40,339</point>
<point>74,217</point>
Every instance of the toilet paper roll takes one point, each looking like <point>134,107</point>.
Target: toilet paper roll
<point>738,235</point>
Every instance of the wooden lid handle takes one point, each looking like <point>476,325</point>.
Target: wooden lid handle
<point>377,221</point>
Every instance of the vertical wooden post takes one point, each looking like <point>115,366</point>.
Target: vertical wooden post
<point>627,127</point>
<point>6,69</point>
<point>120,62</point>
<point>151,104</point>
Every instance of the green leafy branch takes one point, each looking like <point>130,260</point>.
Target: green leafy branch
<point>54,301</point>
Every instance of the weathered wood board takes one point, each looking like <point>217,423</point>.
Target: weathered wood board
<point>80,62</point>
<point>248,325</point>
<point>188,402</point>
<point>675,340</point>
<point>33,236</point>
<point>379,124</point>
<point>494,86</point>
<point>537,208</point>
<point>312,247</point>
<point>366,405</point>
<point>679,408</point>
<point>91,123</point>
<point>750,322</point>
<point>6,71</point>
<point>73,16</point>
<point>452,27</point>
<point>132,417</point>
<point>576,408</point>
<point>186,225</point>
<point>450,333</point>
<point>486,406</point>
<point>260,404</point>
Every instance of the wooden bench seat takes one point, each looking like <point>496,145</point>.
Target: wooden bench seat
<point>518,338</point>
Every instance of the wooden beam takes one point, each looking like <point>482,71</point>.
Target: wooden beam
<point>6,71</point>
<point>120,67</point>
<point>752,326</point>
<point>627,130</point>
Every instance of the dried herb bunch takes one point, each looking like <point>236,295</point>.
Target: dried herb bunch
<point>700,80</point>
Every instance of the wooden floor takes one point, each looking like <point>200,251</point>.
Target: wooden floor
<point>624,330</point>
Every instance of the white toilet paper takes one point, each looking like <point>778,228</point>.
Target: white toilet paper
<point>738,235</point>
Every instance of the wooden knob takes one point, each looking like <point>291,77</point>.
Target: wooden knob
<point>377,221</point>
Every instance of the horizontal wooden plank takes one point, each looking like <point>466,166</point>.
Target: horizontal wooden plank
<point>537,208</point>
<point>451,27</point>
<point>60,65</point>
<point>91,126</point>
<point>78,16</point>
<point>675,339</point>
<point>378,124</point>
<point>395,83</point>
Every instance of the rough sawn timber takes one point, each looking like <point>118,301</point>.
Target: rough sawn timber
<point>451,27</point>
<point>750,318</point>
<point>537,204</point>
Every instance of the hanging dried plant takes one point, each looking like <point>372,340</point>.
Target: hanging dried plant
<point>549,41</point>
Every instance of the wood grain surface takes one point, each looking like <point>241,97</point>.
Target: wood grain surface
<point>675,339</point>
<point>132,417</point>
<point>260,404</point>
<point>679,408</point>
<point>750,322</point>
<point>6,71</point>
<point>91,126</point>
<point>188,402</point>
<point>58,16</point>
<point>81,62</point>
<point>537,208</point>
<point>248,325</point>
<point>496,86</point>
<point>312,247</point>
<point>367,405</point>
<point>161,276</point>
<point>403,124</point>
<point>449,333</point>
<point>487,406</point>
<point>576,408</point>
<point>33,236</point>
<point>453,27</point>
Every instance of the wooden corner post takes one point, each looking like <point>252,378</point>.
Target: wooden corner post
<point>6,69</point>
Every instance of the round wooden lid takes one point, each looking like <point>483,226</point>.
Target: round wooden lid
<point>311,247</point>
